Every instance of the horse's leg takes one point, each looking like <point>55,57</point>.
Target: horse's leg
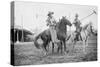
<point>85,42</point>
<point>74,43</point>
<point>83,34</point>
<point>84,38</point>
<point>52,47</point>
<point>59,47</point>
<point>64,45</point>
<point>73,46</point>
<point>85,45</point>
<point>44,49</point>
<point>46,45</point>
<point>80,37</point>
<point>75,39</point>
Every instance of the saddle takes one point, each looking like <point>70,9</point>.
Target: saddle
<point>79,29</point>
<point>78,33</point>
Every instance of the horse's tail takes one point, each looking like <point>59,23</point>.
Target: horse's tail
<point>68,37</point>
<point>36,43</point>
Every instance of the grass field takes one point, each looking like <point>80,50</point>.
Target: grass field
<point>27,54</point>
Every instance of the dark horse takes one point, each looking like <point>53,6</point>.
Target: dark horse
<point>61,35</point>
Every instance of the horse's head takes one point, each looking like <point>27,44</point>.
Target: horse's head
<point>65,21</point>
<point>92,29</point>
<point>89,26</point>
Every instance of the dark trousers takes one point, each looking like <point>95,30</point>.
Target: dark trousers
<point>78,36</point>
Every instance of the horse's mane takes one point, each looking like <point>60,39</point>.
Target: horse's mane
<point>58,23</point>
<point>85,26</point>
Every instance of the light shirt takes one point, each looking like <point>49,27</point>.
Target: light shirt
<point>51,21</point>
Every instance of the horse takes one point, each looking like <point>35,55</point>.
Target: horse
<point>45,36</point>
<point>86,31</point>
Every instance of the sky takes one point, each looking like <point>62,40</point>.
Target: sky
<point>32,16</point>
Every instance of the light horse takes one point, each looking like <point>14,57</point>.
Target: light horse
<point>86,31</point>
<point>61,35</point>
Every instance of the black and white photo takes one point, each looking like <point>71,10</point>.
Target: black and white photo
<point>46,33</point>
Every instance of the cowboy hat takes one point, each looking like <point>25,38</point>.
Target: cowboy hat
<point>76,15</point>
<point>50,13</point>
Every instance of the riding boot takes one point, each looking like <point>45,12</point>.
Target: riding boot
<point>77,38</point>
<point>80,38</point>
<point>57,41</point>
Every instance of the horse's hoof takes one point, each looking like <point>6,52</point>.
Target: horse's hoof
<point>45,53</point>
<point>67,51</point>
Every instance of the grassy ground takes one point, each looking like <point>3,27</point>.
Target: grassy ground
<point>27,54</point>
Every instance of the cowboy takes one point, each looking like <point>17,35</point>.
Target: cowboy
<point>51,22</point>
<point>77,24</point>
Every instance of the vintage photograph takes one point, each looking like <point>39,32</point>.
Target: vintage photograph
<point>47,33</point>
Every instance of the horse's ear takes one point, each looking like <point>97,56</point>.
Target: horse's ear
<point>90,23</point>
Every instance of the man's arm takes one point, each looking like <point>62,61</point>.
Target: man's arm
<point>48,21</point>
<point>54,21</point>
<point>79,22</point>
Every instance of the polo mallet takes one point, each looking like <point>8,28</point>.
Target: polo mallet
<point>94,12</point>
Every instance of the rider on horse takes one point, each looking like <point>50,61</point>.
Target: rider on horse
<point>77,24</point>
<point>52,23</point>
